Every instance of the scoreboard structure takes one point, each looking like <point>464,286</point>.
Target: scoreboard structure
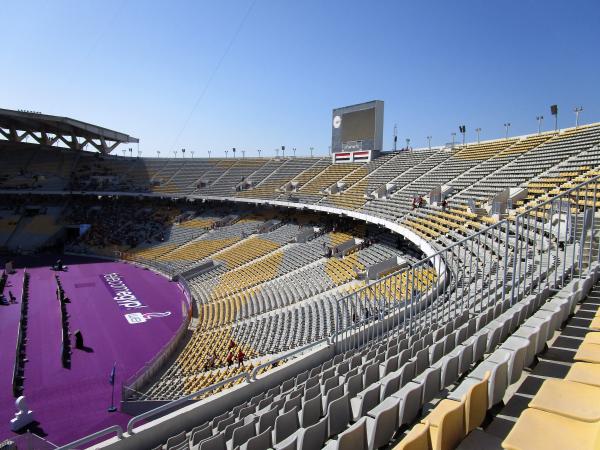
<point>357,132</point>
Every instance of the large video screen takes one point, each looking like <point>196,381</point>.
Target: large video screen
<point>358,125</point>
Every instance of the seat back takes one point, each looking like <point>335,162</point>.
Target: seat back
<point>354,384</point>
<point>411,396</point>
<point>338,415</point>
<point>243,434</point>
<point>261,441</point>
<point>286,424</point>
<point>451,429</point>
<point>386,423</point>
<point>267,420</point>
<point>476,404</point>
<point>200,434</point>
<point>217,442</point>
<point>311,411</point>
<point>313,436</point>
<point>355,437</point>
<point>175,441</point>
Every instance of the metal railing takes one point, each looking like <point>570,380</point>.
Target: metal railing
<point>546,244</point>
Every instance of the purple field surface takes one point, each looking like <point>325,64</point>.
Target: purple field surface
<point>71,403</point>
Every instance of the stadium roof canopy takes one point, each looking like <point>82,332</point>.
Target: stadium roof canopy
<point>45,129</point>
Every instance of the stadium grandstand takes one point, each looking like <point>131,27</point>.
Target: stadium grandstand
<point>431,298</point>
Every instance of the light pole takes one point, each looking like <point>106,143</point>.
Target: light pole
<point>539,119</point>
<point>311,151</point>
<point>429,141</point>
<point>294,151</point>
<point>395,136</point>
<point>507,126</point>
<point>183,152</point>
<point>158,153</point>
<point>577,110</point>
<point>139,153</point>
<point>453,136</point>
<point>243,154</point>
<point>259,150</point>
<point>478,130</point>
<point>192,154</point>
<point>277,152</point>
<point>175,153</point>
<point>554,112</point>
<point>209,152</point>
<point>463,131</point>
<point>226,153</point>
<point>233,148</point>
<point>130,152</point>
<point>123,152</point>
<point>407,143</point>
<point>283,151</point>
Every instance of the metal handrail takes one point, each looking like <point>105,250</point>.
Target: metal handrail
<point>93,436</point>
<point>181,400</point>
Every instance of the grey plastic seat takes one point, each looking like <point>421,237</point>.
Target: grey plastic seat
<point>267,420</point>
<point>312,392</point>
<point>176,441</point>
<point>295,402</point>
<point>390,384</point>
<point>436,351</point>
<point>354,384</point>
<point>494,332</point>
<point>365,401</point>
<point>199,435</point>
<point>216,442</point>
<point>381,428</point>
<point>531,335</point>
<point>410,397</point>
<point>311,411</point>
<point>354,438</point>
<point>261,441</point>
<point>465,357</point>
<point>422,360</point>
<point>430,379</point>
<point>338,415</point>
<point>313,436</point>
<point>285,425</point>
<point>480,342</point>
<point>403,357</point>
<point>518,349</point>
<point>371,375</point>
<point>242,435</point>
<point>449,342</point>
<point>449,366</point>
<point>388,366</point>
<point>224,423</point>
<point>332,395</point>
<point>228,431</point>
<point>329,384</point>
<point>543,327</point>
<point>408,372</point>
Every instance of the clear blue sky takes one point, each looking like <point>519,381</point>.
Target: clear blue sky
<point>261,74</point>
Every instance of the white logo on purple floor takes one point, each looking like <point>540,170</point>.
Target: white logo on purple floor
<point>126,299</point>
<point>141,318</point>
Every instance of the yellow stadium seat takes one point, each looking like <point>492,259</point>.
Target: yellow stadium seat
<point>541,430</point>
